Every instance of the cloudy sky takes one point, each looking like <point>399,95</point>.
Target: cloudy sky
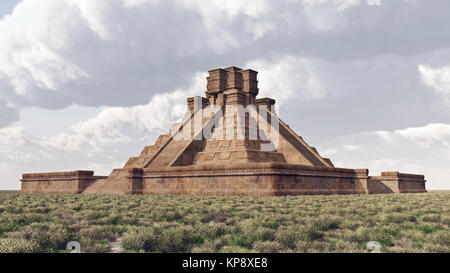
<point>84,84</point>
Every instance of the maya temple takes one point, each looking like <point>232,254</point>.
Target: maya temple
<point>229,143</point>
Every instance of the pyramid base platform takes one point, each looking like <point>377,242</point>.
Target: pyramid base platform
<point>258,179</point>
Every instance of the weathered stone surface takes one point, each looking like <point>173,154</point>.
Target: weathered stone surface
<point>220,165</point>
<point>59,182</point>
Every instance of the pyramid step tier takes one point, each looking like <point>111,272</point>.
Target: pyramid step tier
<point>247,155</point>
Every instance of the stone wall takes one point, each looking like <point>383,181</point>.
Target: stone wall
<point>58,182</point>
<point>257,179</point>
<point>396,182</point>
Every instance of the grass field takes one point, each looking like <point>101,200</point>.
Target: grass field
<point>336,223</point>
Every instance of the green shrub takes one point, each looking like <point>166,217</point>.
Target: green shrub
<point>176,223</point>
<point>287,237</point>
<point>434,218</point>
<point>440,237</point>
<point>235,249</point>
<point>272,222</point>
<point>212,230</point>
<point>213,216</point>
<point>309,233</point>
<point>98,233</point>
<point>290,237</point>
<point>268,247</point>
<point>325,223</point>
<point>446,220</point>
<point>209,246</point>
<point>434,248</point>
<point>10,245</point>
<point>166,240</point>
<point>140,239</point>
<point>96,248</point>
<point>8,227</point>
<point>247,233</point>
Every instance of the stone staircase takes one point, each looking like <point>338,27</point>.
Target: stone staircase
<point>147,154</point>
<point>222,151</point>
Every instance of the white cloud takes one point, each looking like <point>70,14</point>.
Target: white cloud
<point>379,165</point>
<point>14,144</point>
<point>374,2</point>
<point>340,149</point>
<point>259,28</point>
<point>7,114</point>
<point>138,3</point>
<point>384,164</point>
<point>217,12</point>
<point>329,152</point>
<point>340,4</point>
<point>12,135</point>
<point>30,43</point>
<point>125,124</point>
<point>328,15</point>
<point>428,135</point>
<point>104,168</point>
<point>420,150</point>
<point>4,168</point>
<point>424,136</point>
<point>109,128</point>
<point>97,143</point>
<point>351,147</point>
<point>384,135</point>
<point>437,78</point>
<point>120,52</point>
<point>91,52</point>
<point>287,78</point>
<point>218,17</point>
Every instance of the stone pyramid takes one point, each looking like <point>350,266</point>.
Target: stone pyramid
<point>230,142</point>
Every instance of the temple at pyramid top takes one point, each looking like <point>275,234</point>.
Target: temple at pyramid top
<point>232,85</point>
<point>239,86</point>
